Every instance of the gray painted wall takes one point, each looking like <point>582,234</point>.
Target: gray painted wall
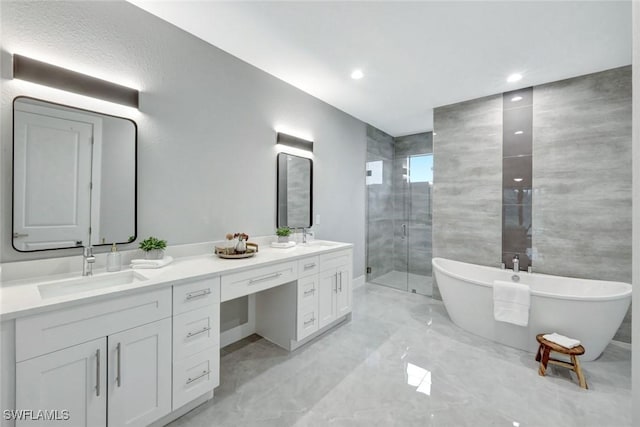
<point>635,354</point>
<point>205,125</point>
<point>581,179</point>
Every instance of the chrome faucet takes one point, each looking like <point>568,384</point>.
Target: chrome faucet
<point>87,261</point>
<point>516,263</point>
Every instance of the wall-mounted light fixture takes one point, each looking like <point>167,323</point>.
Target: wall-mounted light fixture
<point>60,78</point>
<point>294,142</point>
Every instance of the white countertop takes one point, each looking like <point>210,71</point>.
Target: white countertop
<point>20,298</point>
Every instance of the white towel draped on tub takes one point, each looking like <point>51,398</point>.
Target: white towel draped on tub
<point>511,302</point>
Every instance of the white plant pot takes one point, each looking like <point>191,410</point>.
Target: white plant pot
<point>154,254</point>
<point>283,239</point>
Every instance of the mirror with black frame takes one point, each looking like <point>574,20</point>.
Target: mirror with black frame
<point>295,191</point>
<point>74,177</point>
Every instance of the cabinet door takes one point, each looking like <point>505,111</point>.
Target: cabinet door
<point>327,287</point>
<point>343,296</point>
<point>140,374</point>
<point>72,379</point>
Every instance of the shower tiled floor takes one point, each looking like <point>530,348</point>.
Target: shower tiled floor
<point>400,280</point>
<point>401,362</point>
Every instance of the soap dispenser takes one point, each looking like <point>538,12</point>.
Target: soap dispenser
<point>113,259</point>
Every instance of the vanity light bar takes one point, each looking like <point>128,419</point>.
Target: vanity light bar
<point>294,142</point>
<point>60,78</point>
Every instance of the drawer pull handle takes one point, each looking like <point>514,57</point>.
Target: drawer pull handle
<point>310,292</point>
<point>267,277</point>
<point>310,265</point>
<point>198,294</point>
<point>118,365</point>
<point>98,372</point>
<point>203,330</point>
<point>204,373</point>
<point>341,281</point>
<point>310,321</point>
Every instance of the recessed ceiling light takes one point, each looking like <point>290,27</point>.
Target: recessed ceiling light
<point>516,99</point>
<point>357,74</point>
<point>515,77</point>
<point>518,132</point>
<point>517,179</point>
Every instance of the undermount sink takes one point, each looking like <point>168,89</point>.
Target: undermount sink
<point>89,283</point>
<point>320,243</point>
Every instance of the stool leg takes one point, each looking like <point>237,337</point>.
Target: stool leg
<point>578,370</point>
<point>545,360</point>
<point>539,353</point>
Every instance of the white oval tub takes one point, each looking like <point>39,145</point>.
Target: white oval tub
<point>588,310</point>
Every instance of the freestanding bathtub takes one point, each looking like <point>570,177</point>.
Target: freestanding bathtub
<point>588,310</point>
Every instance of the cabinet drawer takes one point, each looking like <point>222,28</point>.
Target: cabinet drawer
<point>335,259</point>
<point>307,321</point>
<point>195,375</point>
<point>308,266</point>
<point>47,332</point>
<point>196,294</point>
<point>308,290</point>
<point>196,331</point>
<point>258,279</point>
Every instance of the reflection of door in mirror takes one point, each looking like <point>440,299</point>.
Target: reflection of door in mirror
<point>51,200</point>
<point>74,177</point>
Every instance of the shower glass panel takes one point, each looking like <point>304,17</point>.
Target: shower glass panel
<point>399,189</point>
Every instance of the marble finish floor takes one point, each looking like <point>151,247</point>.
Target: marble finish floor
<point>422,285</point>
<point>401,362</point>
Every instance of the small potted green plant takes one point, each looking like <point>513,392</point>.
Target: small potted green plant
<point>153,248</point>
<point>283,234</point>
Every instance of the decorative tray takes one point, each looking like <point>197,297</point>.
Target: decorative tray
<point>230,253</point>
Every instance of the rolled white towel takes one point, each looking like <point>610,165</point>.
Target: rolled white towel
<point>283,245</point>
<point>151,263</point>
<point>562,340</point>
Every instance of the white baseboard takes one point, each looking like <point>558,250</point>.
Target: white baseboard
<point>358,281</point>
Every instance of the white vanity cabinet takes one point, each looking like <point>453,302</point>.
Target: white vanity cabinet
<point>127,363</point>
<point>196,339</point>
<point>334,287</point>
<point>139,374</point>
<point>72,379</point>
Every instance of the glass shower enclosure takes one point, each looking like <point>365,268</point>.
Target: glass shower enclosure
<point>399,216</point>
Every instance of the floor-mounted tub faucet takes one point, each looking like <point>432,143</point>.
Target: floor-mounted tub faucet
<point>516,263</point>
<point>87,261</point>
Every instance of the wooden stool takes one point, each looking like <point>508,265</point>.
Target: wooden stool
<point>543,357</point>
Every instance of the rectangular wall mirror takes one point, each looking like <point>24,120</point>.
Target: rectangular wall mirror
<point>295,191</point>
<point>74,177</point>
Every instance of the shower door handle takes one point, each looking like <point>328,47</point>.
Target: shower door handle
<point>404,230</point>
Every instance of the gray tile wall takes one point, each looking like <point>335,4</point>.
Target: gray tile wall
<point>467,200</point>
<point>380,232</point>
<point>582,178</point>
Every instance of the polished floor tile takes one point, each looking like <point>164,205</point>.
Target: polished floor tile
<point>401,362</point>
<point>402,280</point>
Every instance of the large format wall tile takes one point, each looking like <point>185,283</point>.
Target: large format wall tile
<point>582,176</point>
<point>467,191</point>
